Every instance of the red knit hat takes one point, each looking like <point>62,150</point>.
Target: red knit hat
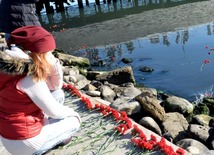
<point>32,38</point>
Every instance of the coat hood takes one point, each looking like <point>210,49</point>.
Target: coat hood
<point>15,66</point>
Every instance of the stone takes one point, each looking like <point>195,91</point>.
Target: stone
<point>93,93</point>
<point>150,92</point>
<point>150,124</point>
<point>117,76</point>
<point>177,104</point>
<point>122,104</point>
<point>146,69</point>
<point>199,132</point>
<point>70,60</point>
<point>67,70</point>
<point>89,87</point>
<point>193,146</point>
<point>126,60</point>
<point>176,125</point>
<point>152,106</point>
<point>202,119</point>
<point>107,93</point>
<point>130,92</point>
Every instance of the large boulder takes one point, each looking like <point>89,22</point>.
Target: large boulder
<point>176,125</point>
<point>117,76</point>
<point>177,104</point>
<point>152,106</point>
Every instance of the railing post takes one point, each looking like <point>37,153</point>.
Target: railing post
<point>80,3</point>
<point>87,2</point>
<point>97,2</point>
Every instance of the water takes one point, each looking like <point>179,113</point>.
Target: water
<point>177,65</point>
<point>176,57</point>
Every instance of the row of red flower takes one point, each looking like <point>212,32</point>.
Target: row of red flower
<point>139,138</point>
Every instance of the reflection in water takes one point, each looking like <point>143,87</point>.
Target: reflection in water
<point>75,17</point>
<point>176,58</point>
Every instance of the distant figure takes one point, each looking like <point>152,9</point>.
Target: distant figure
<point>17,13</point>
<point>33,118</point>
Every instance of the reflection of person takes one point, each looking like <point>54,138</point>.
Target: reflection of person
<point>17,13</point>
<point>32,120</point>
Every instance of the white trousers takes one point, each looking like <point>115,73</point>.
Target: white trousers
<point>53,133</point>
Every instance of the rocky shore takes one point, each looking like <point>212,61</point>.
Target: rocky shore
<point>187,125</point>
<point>184,124</point>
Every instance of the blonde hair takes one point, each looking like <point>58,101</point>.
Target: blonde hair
<point>41,66</point>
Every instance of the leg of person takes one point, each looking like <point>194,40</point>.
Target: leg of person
<point>57,132</point>
<point>51,135</point>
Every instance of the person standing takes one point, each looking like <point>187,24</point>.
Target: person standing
<point>33,118</point>
<point>17,13</point>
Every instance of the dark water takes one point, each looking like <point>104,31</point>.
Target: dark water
<point>176,57</point>
<point>75,17</point>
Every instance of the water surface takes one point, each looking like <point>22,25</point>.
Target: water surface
<point>175,56</point>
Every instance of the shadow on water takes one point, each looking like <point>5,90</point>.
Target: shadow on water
<point>176,57</point>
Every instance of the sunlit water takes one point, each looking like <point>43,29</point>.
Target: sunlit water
<point>176,58</point>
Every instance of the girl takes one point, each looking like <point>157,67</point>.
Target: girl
<point>32,120</point>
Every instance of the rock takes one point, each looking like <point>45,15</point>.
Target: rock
<point>70,60</point>
<point>150,92</point>
<point>210,103</point>
<point>130,92</point>
<point>211,122</point>
<point>117,76</point>
<point>98,63</point>
<point>201,109</point>
<point>79,81</point>
<point>193,150</point>
<point>150,123</point>
<point>81,84</point>
<point>193,146</point>
<point>93,93</point>
<point>107,93</point>
<point>126,60</point>
<point>118,91</point>
<point>91,75</point>
<point>110,85</point>
<point>76,78</point>
<point>131,107</point>
<point>176,125</point>
<point>146,69</point>
<point>66,78</point>
<point>89,87</point>
<point>199,132</point>
<point>97,84</point>
<point>152,106</point>
<point>177,104</point>
<point>70,70</point>
<point>201,119</point>
<point>122,104</point>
